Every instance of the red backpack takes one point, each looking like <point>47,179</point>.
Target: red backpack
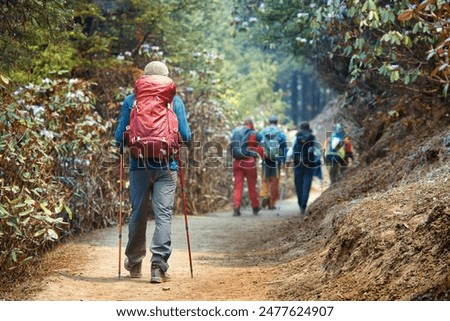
<point>153,129</point>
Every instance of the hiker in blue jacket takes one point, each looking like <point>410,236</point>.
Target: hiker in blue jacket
<point>273,141</point>
<point>151,177</point>
<point>334,153</point>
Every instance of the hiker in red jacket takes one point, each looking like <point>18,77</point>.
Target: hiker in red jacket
<point>348,153</point>
<point>244,165</point>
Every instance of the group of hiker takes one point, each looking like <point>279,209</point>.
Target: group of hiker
<point>271,147</point>
<point>154,126</point>
<point>247,146</point>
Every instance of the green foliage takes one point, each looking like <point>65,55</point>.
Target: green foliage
<point>30,28</point>
<point>44,129</point>
<point>372,43</point>
<point>252,75</point>
<point>381,39</point>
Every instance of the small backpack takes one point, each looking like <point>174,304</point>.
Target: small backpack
<point>153,129</point>
<point>271,145</point>
<point>336,145</point>
<point>239,142</point>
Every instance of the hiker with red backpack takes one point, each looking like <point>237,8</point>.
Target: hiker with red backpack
<point>273,142</point>
<point>151,122</point>
<point>245,151</point>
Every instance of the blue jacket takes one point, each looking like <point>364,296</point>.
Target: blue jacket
<point>124,120</point>
<point>282,139</point>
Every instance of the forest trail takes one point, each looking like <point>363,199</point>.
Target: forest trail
<point>228,261</point>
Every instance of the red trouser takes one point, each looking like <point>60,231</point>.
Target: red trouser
<point>245,169</point>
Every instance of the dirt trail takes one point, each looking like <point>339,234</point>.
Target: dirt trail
<point>227,253</point>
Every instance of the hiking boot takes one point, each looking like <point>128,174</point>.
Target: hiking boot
<point>265,202</point>
<point>272,205</point>
<point>302,211</point>
<point>157,275</point>
<point>256,210</point>
<point>237,211</point>
<point>135,270</point>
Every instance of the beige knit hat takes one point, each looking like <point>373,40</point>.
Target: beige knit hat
<point>156,68</point>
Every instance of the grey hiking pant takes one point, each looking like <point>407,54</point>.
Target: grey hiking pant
<point>161,187</point>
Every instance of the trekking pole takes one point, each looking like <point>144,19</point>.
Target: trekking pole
<point>120,209</point>
<point>183,196</point>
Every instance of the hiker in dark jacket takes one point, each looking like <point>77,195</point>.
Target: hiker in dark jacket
<point>304,154</point>
<point>150,177</point>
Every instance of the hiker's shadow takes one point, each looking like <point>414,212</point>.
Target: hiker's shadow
<point>98,279</point>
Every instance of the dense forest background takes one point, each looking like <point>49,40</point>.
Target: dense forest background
<point>67,65</point>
